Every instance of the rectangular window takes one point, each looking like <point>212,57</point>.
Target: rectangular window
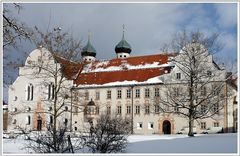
<point>128,109</point>
<point>216,108</point>
<point>216,124</point>
<point>108,110</point>
<point>97,95</point>
<point>156,93</point>
<point>86,95</point>
<point>147,111</point>
<point>157,109</point>
<point>119,110</point>
<point>178,76</point>
<point>147,93</point>
<point>150,125</point>
<point>203,125</point>
<point>75,110</point>
<point>97,110</point>
<point>203,91</point>
<point>137,93</point>
<point>215,90</point>
<point>176,91</point>
<point>137,110</point>
<point>203,109</point>
<point>109,94</point>
<point>139,125</point>
<point>119,94</point>
<point>176,108</point>
<point>129,93</point>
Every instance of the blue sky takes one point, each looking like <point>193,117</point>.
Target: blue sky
<point>148,26</point>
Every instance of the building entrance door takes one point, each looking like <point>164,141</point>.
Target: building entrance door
<point>39,125</point>
<point>166,128</point>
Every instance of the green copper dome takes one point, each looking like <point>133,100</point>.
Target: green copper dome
<point>123,46</point>
<point>88,50</point>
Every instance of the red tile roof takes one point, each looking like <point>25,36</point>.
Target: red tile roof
<point>75,72</point>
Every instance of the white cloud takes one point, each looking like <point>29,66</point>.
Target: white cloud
<point>227,15</point>
<point>229,41</point>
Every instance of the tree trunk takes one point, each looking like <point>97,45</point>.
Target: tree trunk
<point>190,122</point>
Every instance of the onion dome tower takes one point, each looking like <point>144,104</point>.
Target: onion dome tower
<point>123,48</point>
<point>88,52</point>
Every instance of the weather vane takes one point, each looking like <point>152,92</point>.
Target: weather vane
<point>123,29</point>
<point>89,35</point>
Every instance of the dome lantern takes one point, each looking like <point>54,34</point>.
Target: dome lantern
<point>88,52</point>
<point>123,48</point>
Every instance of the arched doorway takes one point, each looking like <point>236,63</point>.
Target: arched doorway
<point>166,128</point>
<point>39,125</point>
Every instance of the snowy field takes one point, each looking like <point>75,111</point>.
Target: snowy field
<point>201,143</point>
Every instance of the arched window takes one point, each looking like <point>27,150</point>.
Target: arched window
<point>14,121</point>
<point>65,122</point>
<point>66,108</point>
<point>15,109</point>
<point>28,109</point>
<point>28,120</point>
<point>51,91</point>
<point>51,119</point>
<point>29,93</point>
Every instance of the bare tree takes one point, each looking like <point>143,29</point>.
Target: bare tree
<point>42,142</point>
<point>182,38</point>
<point>48,67</point>
<point>108,135</point>
<point>14,31</point>
<point>199,87</point>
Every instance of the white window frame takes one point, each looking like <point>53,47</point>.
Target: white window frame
<point>150,124</point>
<point>119,94</point>
<point>129,93</point>
<point>139,125</point>
<point>109,94</point>
<point>147,93</point>
<point>137,93</point>
<point>129,109</point>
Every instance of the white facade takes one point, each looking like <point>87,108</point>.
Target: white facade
<point>31,96</point>
<point>30,99</point>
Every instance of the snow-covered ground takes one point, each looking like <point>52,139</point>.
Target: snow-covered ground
<point>201,143</point>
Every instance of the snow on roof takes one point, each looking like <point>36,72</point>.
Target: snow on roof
<point>132,70</point>
<point>125,66</point>
<point>154,80</point>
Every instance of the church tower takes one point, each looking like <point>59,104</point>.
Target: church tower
<point>88,52</point>
<point>123,48</point>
